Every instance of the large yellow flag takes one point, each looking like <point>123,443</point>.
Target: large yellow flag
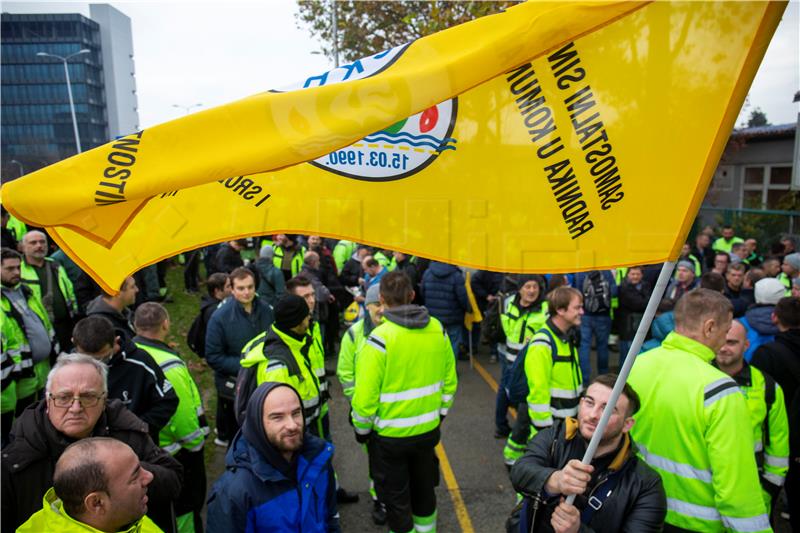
<point>553,137</point>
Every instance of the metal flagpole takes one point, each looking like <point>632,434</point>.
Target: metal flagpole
<point>638,339</point>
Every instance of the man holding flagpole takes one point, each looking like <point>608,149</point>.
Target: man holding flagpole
<point>693,427</point>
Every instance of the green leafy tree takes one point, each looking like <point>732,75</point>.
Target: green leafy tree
<point>757,118</point>
<point>366,28</point>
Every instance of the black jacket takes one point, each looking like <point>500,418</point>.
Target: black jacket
<point>228,259</point>
<point>121,321</point>
<point>30,460</point>
<point>632,303</point>
<point>136,380</point>
<point>781,359</point>
<point>637,503</point>
<point>351,271</point>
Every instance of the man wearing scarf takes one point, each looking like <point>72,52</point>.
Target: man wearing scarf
<point>278,477</point>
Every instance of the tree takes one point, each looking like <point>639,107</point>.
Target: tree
<point>757,118</point>
<point>369,27</point>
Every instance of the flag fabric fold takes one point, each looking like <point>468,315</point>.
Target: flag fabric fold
<point>553,137</point>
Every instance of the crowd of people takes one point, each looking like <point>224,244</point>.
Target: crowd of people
<point>104,428</point>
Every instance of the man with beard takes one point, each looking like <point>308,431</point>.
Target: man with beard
<point>98,485</point>
<point>616,492</point>
<point>275,470</point>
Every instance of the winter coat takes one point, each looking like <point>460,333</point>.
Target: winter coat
<point>271,284</point>
<point>122,321</point>
<point>444,293</point>
<point>254,496</point>
<point>485,283</point>
<point>30,460</point>
<point>227,259</point>
<point>660,328</point>
<point>580,277</point>
<point>757,322</point>
<point>229,329</point>
<point>351,272</point>
<point>138,382</point>
<point>632,303</point>
<point>781,360</point>
<point>637,503</point>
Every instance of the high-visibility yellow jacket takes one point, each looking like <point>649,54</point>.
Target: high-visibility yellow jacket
<point>316,354</point>
<point>52,517</point>
<point>770,426</point>
<point>519,326</point>
<point>284,359</point>
<point>31,279</point>
<point>406,376</point>
<point>554,377</point>
<point>352,343</point>
<point>187,428</point>
<point>722,245</point>
<point>297,258</point>
<point>29,376</point>
<point>694,429</point>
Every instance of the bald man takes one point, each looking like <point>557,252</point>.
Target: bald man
<point>50,284</point>
<point>767,411</point>
<point>99,483</point>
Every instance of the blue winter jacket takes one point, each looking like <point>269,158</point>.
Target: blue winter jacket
<point>757,321</point>
<point>445,293</point>
<point>660,328</point>
<point>255,497</point>
<point>228,330</point>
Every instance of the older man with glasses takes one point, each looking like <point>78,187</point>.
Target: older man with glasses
<point>75,407</point>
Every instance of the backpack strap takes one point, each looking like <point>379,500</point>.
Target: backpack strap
<point>769,399</point>
<point>601,494</point>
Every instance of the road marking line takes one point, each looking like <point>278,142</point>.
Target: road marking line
<point>455,493</point>
<point>487,377</point>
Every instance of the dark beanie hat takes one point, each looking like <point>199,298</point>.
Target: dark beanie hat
<point>290,311</point>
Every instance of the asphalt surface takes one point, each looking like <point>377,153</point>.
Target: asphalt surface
<point>474,494</point>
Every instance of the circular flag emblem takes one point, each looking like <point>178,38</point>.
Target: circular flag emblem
<point>402,149</point>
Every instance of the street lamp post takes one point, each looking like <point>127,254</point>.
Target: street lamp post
<point>187,108</point>
<point>21,169</point>
<point>69,89</point>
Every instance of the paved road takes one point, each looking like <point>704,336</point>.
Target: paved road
<point>474,494</point>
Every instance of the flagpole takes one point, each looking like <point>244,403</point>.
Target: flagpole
<point>638,339</point>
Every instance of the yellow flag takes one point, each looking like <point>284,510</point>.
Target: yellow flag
<point>554,137</point>
<point>475,315</point>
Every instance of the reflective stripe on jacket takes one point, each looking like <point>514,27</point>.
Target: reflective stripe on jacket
<point>406,380</point>
<point>352,343</point>
<point>554,377</point>
<point>301,377</point>
<point>187,428</point>
<point>519,326</point>
<point>694,429</point>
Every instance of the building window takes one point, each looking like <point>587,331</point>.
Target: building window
<point>764,186</point>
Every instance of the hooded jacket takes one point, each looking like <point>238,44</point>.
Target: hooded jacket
<point>445,293</point>
<point>262,492</point>
<point>121,321</point>
<point>30,460</point>
<point>757,321</point>
<point>637,503</point>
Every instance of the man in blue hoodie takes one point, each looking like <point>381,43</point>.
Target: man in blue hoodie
<point>278,477</point>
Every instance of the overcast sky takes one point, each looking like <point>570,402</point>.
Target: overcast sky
<point>216,52</point>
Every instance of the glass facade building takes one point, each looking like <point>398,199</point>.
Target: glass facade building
<point>36,123</point>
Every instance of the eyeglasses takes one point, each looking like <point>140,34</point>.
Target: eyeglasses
<point>87,399</point>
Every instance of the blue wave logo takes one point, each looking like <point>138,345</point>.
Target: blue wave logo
<point>405,138</point>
